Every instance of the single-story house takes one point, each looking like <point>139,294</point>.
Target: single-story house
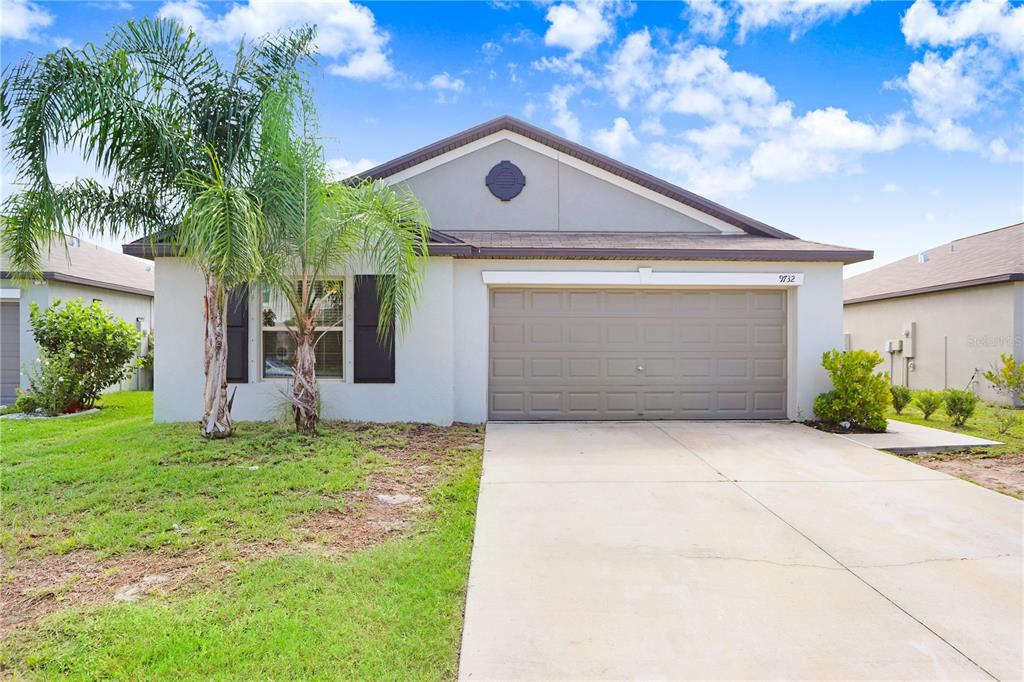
<point>562,284</point>
<point>943,316</point>
<point>124,286</point>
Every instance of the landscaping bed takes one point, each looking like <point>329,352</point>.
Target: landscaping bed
<point>1000,467</point>
<point>138,550</point>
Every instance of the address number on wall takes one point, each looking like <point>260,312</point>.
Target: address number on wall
<point>787,279</point>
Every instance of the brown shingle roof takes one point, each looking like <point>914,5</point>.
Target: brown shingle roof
<point>578,151</point>
<point>648,245</point>
<point>92,265</point>
<point>986,258</point>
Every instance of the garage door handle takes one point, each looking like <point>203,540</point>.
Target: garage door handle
<point>639,368</point>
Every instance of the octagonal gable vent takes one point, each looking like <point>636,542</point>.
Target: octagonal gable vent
<point>506,181</point>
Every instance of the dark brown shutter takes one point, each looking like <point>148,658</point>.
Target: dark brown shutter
<point>238,335</point>
<point>374,357</point>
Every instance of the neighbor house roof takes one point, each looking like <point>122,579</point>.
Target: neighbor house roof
<point>91,265</point>
<point>647,245</point>
<point>582,153</point>
<point>986,258</point>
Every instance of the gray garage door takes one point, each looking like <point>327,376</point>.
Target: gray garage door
<point>637,354</point>
<point>10,356</point>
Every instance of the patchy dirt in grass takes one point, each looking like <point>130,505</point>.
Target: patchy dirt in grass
<point>411,459</point>
<point>1003,474</point>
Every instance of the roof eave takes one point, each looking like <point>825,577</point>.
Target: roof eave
<point>467,251</point>
<point>85,281</point>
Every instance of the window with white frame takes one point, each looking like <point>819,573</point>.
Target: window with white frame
<point>279,344</point>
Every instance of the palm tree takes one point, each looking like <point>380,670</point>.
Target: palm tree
<point>318,227</point>
<point>178,137</point>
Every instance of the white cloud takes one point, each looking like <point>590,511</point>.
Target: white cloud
<point>950,136</point>
<point>23,19</point>
<point>342,168</point>
<point>443,81</point>
<point>448,88</point>
<point>718,137</point>
<point>564,119</point>
<point>613,141</point>
<point>345,31</point>
<point>491,51</point>
<point>652,125</point>
<point>707,17</point>
<point>947,88</point>
<point>749,132</point>
<point>996,20</point>
<point>630,71</point>
<point>892,188</point>
<point>581,25</point>
<point>798,15</point>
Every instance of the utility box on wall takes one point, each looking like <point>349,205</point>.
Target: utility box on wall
<point>894,345</point>
<point>909,338</point>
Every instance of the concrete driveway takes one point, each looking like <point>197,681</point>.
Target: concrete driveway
<point>685,550</point>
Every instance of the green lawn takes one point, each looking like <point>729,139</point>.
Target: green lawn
<point>982,425</point>
<point>117,485</point>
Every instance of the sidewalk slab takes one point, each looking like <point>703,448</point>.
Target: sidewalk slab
<point>912,439</point>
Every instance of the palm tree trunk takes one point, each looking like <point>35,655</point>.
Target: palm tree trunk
<point>304,394</point>
<point>217,412</point>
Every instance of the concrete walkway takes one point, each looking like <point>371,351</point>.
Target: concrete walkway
<point>685,550</point>
<point>913,439</point>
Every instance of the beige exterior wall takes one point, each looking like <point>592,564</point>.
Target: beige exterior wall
<point>958,332</point>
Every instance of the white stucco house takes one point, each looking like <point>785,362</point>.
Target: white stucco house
<point>87,271</point>
<point>943,316</point>
<point>562,284</point>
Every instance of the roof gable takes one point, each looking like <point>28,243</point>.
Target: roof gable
<point>439,152</point>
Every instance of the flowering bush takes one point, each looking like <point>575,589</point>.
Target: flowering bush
<point>56,384</point>
<point>96,345</point>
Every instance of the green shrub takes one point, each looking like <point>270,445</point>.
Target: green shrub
<point>99,346</point>
<point>928,402</point>
<point>860,395</point>
<point>960,405</point>
<point>1006,419</point>
<point>56,383</point>
<point>1008,378</point>
<point>26,402</point>
<point>901,397</point>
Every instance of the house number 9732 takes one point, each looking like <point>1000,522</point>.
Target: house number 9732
<point>787,279</point>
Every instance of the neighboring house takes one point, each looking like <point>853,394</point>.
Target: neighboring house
<point>124,286</point>
<point>562,284</point>
<point>942,317</point>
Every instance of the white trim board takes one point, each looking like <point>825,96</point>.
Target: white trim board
<point>644,277</point>
<point>10,294</point>
<point>572,162</point>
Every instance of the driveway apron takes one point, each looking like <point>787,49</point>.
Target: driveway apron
<point>699,550</point>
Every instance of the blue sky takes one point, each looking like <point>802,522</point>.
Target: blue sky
<point>891,126</point>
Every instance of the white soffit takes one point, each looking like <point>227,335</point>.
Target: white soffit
<point>645,277</point>
<point>572,162</point>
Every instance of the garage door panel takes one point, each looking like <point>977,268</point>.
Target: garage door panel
<point>619,354</point>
